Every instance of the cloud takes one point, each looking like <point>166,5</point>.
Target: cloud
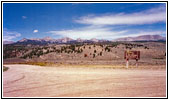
<point>35,31</point>
<point>114,26</point>
<point>84,32</point>
<point>149,16</point>
<point>101,32</point>
<point>145,32</point>
<point>10,35</point>
<point>24,17</point>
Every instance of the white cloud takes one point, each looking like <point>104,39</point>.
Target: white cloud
<point>24,17</point>
<point>150,16</point>
<point>35,31</point>
<point>110,26</point>
<point>10,35</point>
<point>145,32</point>
<point>85,32</point>
<point>102,33</point>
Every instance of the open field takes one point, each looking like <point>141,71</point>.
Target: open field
<point>65,81</point>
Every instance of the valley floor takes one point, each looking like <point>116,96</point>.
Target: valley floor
<point>34,81</point>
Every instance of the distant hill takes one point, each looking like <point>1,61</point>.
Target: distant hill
<point>67,40</point>
<point>143,38</point>
<point>48,40</point>
<point>8,42</point>
<point>43,41</point>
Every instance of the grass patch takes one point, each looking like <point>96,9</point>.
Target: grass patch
<point>36,63</point>
<point>5,68</point>
<point>159,58</point>
<point>61,64</point>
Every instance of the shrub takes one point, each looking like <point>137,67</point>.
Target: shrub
<point>5,68</point>
<point>100,53</point>
<point>107,49</point>
<point>146,47</point>
<point>85,55</point>
<point>94,51</point>
<point>101,45</point>
<point>94,55</point>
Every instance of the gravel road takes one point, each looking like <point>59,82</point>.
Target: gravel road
<point>34,81</point>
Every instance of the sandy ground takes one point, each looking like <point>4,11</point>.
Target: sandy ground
<point>35,81</point>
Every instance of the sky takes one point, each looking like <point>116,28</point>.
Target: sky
<point>82,20</point>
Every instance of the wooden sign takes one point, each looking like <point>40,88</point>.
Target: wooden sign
<point>131,55</point>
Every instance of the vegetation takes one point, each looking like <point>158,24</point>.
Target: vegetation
<point>146,47</point>
<point>33,51</point>
<point>85,55</point>
<point>37,63</point>
<point>159,58</point>
<point>94,51</point>
<point>100,53</point>
<point>10,51</point>
<point>107,49</point>
<point>94,55</point>
<point>24,51</point>
<point>5,68</point>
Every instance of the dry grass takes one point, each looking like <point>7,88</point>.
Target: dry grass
<point>98,66</point>
<point>32,63</point>
<point>119,66</point>
<point>37,63</point>
<point>51,64</point>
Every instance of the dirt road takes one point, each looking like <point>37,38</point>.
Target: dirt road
<point>35,81</point>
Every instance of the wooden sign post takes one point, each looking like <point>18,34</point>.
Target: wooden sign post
<point>127,63</point>
<point>136,62</point>
<point>131,55</point>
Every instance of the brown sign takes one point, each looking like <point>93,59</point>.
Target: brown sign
<point>132,55</point>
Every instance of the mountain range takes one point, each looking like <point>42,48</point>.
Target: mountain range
<point>8,42</point>
<point>49,40</point>
<point>142,38</point>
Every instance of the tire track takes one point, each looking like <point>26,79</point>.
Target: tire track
<point>10,82</point>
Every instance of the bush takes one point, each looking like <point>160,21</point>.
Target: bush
<point>5,68</point>
<point>72,47</point>
<point>85,55</point>
<point>94,51</point>
<point>101,45</point>
<point>146,47</point>
<point>100,53</point>
<point>107,49</point>
<point>94,55</point>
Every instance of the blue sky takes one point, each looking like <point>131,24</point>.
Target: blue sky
<point>82,20</point>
